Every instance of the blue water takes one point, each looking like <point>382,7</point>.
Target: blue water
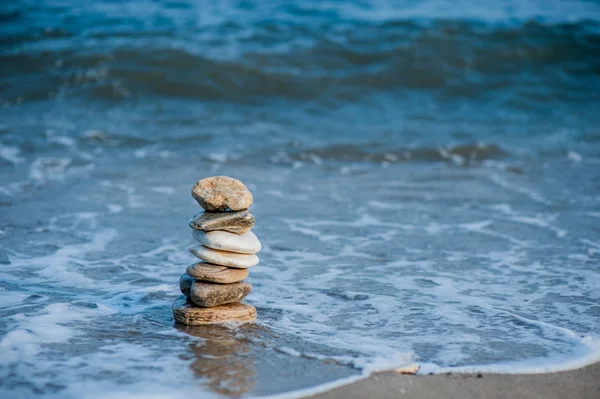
<point>426,179</point>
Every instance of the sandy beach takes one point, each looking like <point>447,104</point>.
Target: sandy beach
<point>581,383</point>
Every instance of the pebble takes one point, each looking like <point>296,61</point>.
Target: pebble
<point>411,368</point>
<point>185,284</point>
<point>208,295</point>
<point>234,222</point>
<point>216,274</point>
<point>246,243</point>
<point>222,193</point>
<point>223,258</point>
<point>187,313</point>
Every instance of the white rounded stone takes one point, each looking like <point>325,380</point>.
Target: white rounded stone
<point>246,243</point>
<point>223,258</point>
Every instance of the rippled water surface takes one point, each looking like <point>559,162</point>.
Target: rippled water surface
<point>426,179</point>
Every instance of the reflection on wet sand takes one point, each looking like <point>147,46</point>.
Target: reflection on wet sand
<point>224,359</point>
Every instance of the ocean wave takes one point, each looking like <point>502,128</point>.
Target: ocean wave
<point>460,154</point>
<point>537,61</point>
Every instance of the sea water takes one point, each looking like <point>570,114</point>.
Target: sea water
<point>426,179</point>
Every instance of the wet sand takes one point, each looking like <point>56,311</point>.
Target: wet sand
<point>574,384</point>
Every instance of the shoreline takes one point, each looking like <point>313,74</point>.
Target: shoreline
<point>582,383</point>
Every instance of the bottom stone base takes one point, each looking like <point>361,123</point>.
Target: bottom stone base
<point>187,313</point>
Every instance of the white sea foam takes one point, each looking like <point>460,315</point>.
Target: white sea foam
<point>64,265</point>
<point>588,354</point>
<point>11,154</point>
<point>519,189</point>
<point>574,156</point>
<point>66,141</point>
<point>44,169</point>
<point>163,190</point>
<point>31,332</point>
<point>497,12</point>
<point>114,208</point>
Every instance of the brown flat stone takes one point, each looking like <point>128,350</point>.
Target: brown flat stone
<point>208,295</point>
<point>215,273</point>
<point>234,222</point>
<point>185,284</point>
<point>187,313</point>
<point>222,193</point>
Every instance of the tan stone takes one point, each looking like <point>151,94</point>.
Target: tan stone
<point>222,193</point>
<point>234,222</point>
<point>208,294</point>
<point>187,313</point>
<point>216,274</point>
<point>185,284</point>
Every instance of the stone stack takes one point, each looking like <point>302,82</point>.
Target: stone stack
<point>214,287</point>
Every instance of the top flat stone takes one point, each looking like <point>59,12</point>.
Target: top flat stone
<point>235,222</point>
<point>221,194</point>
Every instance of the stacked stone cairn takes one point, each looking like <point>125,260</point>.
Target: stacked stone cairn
<point>214,287</point>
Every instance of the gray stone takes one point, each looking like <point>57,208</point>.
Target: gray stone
<point>234,222</point>
<point>207,295</point>
<point>185,284</point>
